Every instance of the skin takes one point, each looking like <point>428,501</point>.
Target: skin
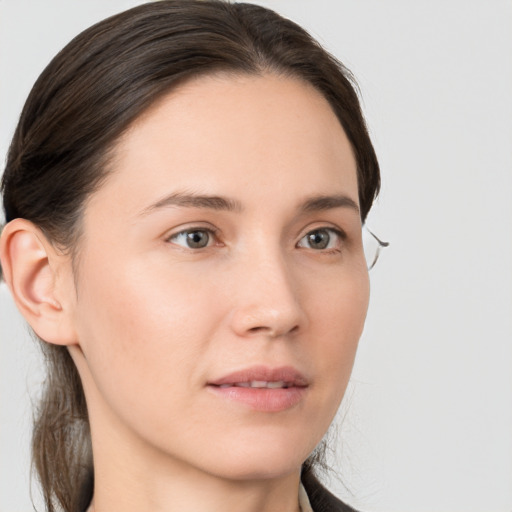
<point>150,321</point>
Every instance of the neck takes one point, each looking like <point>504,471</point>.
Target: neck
<point>141,489</point>
<point>206,500</point>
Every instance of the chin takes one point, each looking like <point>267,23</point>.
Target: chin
<point>261,458</point>
<point>269,469</point>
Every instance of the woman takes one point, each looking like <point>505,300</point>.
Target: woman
<point>184,194</point>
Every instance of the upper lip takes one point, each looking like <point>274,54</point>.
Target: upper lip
<point>287,374</point>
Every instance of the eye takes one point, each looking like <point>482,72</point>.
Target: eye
<point>322,239</point>
<point>193,238</point>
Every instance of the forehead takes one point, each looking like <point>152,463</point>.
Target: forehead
<point>243,136</point>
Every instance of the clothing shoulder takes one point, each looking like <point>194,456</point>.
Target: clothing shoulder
<point>320,498</point>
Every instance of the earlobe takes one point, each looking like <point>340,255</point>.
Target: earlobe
<point>32,270</point>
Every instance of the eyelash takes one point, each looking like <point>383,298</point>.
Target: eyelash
<point>213,233</point>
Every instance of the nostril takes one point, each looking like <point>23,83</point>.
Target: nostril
<point>271,331</point>
<point>256,330</point>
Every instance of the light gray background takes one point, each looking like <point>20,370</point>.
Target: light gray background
<point>429,427</point>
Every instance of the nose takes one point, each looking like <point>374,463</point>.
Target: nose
<point>266,299</point>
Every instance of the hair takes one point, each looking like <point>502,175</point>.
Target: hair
<point>81,104</point>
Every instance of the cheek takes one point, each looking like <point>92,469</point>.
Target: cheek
<point>339,308</point>
<point>338,321</point>
<point>141,330</point>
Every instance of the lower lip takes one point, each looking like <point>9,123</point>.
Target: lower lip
<point>262,399</point>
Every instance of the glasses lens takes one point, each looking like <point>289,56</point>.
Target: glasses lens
<point>372,247</point>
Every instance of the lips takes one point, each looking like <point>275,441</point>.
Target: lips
<point>261,388</point>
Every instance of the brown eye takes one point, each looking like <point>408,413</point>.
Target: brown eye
<point>192,238</point>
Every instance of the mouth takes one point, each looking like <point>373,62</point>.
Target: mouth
<point>260,384</point>
<point>261,388</point>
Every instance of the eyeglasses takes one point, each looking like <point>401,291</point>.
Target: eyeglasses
<point>372,245</point>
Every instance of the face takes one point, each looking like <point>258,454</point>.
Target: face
<point>222,286</point>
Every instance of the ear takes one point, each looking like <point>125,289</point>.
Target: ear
<point>39,278</point>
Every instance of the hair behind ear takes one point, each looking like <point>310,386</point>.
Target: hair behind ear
<point>61,441</point>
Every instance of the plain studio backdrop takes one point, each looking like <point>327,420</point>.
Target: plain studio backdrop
<point>428,421</point>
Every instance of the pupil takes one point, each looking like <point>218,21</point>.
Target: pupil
<point>319,239</point>
<point>197,239</point>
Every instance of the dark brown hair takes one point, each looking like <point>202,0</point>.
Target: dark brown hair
<point>84,100</point>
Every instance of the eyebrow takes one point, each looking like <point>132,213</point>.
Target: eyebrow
<point>188,200</point>
<point>324,202</point>
<point>191,200</point>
